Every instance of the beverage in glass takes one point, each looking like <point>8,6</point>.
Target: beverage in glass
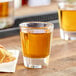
<point>36,38</point>
<point>67,19</point>
<point>6,13</point>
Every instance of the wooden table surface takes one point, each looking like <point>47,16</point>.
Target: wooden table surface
<point>62,59</point>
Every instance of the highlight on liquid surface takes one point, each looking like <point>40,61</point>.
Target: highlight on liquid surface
<point>35,45</point>
<point>67,19</point>
<point>4,9</point>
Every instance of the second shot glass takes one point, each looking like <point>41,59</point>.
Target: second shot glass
<point>67,19</point>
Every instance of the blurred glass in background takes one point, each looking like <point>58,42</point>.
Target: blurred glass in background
<point>6,13</point>
<point>67,19</point>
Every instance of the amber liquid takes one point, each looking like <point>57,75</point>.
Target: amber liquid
<point>4,9</point>
<point>35,45</point>
<point>67,20</point>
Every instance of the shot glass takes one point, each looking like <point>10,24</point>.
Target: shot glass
<point>36,39</point>
<point>67,19</point>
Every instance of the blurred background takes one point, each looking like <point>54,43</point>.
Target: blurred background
<point>14,12</point>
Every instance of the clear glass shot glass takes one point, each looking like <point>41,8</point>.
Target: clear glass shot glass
<point>67,19</point>
<point>36,39</point>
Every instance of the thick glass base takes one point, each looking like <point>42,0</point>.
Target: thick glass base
<point>36,62</point>
<point>67,35</point>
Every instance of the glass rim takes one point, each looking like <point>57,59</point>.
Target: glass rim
<point>66,1</point>
<point>67,6</point>
<point>24,25</point>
